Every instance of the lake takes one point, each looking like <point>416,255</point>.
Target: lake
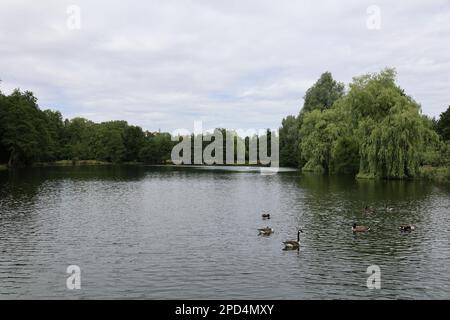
<point>191,233</point>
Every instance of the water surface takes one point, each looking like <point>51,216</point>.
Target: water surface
<point>190,233</point>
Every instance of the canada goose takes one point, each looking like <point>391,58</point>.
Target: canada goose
<point>265,215</point>
<point>293,244</point>
<point>265,231</point>
<point>368,209</point>
<point>407,228</point>
<point>356,228</point>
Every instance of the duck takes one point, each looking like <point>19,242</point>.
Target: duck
<point>356,228</point>
<point>265,215</point>
<point>407,228</point>
<point>293,244</point>
<point>368,209</point>
<point>265,231</point>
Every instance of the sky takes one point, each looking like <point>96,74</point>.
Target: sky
<point>237,64</point>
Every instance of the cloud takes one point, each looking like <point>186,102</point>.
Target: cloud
<point>235,64</point>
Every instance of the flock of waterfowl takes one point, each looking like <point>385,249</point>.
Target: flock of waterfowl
<point>295,244</point>
<point>288,244</point>
<point>369,210</point>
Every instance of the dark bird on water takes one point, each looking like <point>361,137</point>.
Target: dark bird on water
<point>368,210</point>
<point>356,228</point>
<point>407,228</point>
<point>293,244</point>
<point>265,215</point>
<point>265,231</point>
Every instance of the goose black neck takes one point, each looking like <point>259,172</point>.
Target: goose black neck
<point>298,236</point>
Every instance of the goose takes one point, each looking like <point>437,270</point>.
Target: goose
<point>407,228</point>
<point>356,228</point>
<point>368,209</point>
<point>265,215</point>
<point>265,231</point>
<point>293,244</point>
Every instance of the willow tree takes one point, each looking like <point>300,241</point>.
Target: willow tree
<point>391,131</point>
<point>328,142</point>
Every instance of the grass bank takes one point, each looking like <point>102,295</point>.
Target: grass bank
<point>366,176</point>
<point>439,174</point>
<point>430,173</point>
<point>68,163</point>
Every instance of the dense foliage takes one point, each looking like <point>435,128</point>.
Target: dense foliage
<point>28,134</point>
<point>374,130</point>
<point>323,93</point>
<point>443,125</point>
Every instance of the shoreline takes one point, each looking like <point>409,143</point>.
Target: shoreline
<point>426,173</point>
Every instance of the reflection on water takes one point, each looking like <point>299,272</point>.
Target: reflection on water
<point>165,232</point>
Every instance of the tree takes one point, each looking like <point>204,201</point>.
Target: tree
<point>77,139</point>
<point>328,143</point>
<point>321,96</point>
<point>156,149</point>
<point>443,125</point>
<point>289,141</point>
<point>4,154</point>
<point>108,142</point>
<point>376,125</point>
<point>323,93</point>
<point>133,140</point>
<point>28,134</point>
<point>22,133</point>
<point>391,131</point>
<point>55,128</point>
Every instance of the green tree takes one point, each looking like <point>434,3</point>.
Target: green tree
<point>320,96</point>
<point>289,142</point>
<point>323,93</point>
<point>55,128</point>
<point>443,125</point>
<point>328,144</point>
<point>157,149</point>
<point>133,139</point>
<point>78,139</point>
<point>108,142</point>
<point>22,134</point>
<point>391,131</point>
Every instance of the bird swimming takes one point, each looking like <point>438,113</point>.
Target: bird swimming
<point>293,244</point>
<point>356,228</point>
<point>265,231</point>
<point>265,215</point>
<point>407,228</point>
<point>368,209</point>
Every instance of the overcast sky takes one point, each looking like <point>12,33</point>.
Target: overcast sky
<point>234,64</point>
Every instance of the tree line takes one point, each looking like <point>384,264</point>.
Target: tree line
<point>370,129</point>
<point>29,134</point>
<point>373,130</point>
